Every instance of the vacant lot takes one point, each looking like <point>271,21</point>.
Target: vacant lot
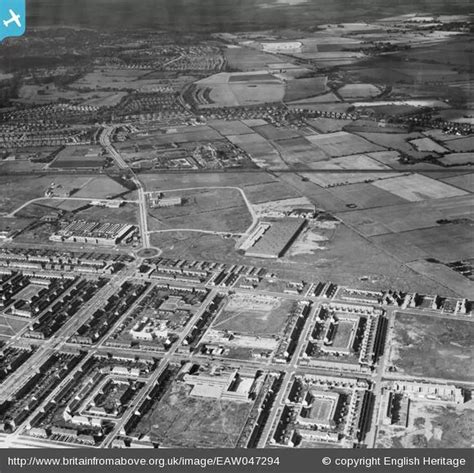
<point>184,421</point>
<point>416,188</point>
<point>433,347</point>
<point>254,315</point>
<point>431,426</point>
<point>222,210</point>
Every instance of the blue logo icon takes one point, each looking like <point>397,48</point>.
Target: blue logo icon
<point>12,18</point>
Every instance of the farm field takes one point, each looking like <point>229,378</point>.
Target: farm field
<point>464,181</point>
<point>79,157</point>
<point>221,210</point>
<point>456,159</point>
<point>186,421</point>
<point>396,142</point>
<point>299,152</point>
<point>365,170</point>
<point>427,145</point>
<point>261,151</point>
<point>432,347</point>
<point>298,89</point>
<point>364,195</point>
<point>445,242</point>
<point>416,188</point>
<point>431,426</point>
<point>328,125</point>
<point>166,182</point>
<point>249,59</point>
<point>270,191</point>
<point>254,315</point>
<point>329,97</point>
<point>232,127</point>
<point>461,145</point>
<point>340,144</point>
<point>406,217</point>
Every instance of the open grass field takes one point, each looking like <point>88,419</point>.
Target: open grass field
<point>10,326</point>
<point>343,334</point>
<point>184,421</point>
<point>433,347</point>
<point>253,315</point>
<point>431,426</point>
<point>230,90</point>
<point>457,159</point>
<point>102,187</point>
<point>416,188</point>
<point>32,188</point>
<point>221,210</point>
<point>358,91</point>
<point>410,216</point>
<point>115,79</point>
<point>342,144</point>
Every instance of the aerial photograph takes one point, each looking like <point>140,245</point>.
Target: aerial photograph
<point>237,224</point>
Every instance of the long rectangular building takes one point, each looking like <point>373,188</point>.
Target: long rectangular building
<point>277,238</point>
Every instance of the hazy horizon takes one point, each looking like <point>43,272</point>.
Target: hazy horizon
<point>225,15</point>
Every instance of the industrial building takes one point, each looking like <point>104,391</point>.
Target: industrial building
<point>276,238</point>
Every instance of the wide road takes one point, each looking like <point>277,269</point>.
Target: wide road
<point>122,164</point>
